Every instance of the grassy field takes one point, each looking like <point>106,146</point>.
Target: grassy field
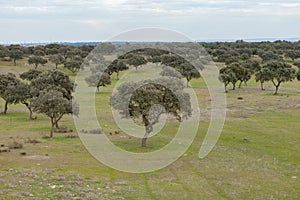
<point>256,157</point>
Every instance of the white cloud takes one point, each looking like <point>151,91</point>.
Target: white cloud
<point>29,9</point>
<point>174,7</point>
<point>212,18</point>
<point>280,4</point>
<point>247,7</point>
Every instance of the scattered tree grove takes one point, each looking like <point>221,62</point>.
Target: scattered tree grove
<point>277,72</point>
<point>50,92</point>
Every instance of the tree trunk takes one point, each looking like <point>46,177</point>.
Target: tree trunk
<point>117,75</point>
<point>276,86</point>
<point>57,119</point>
<point>262,86</point>
<point>276,91</point>
<point>144,140</point>
<point>240,85</point>
<point>225,84</point>
<point>56,123</point>
<point>148,128</point>
<point>30,114</point>
<point>35,66</point>
<point>15,63</point>
<point>30,111</point>
<point>5,108</point>
<point>56,66</point>
<point>233,88</point>
<point>147,133</point>
<point>52,127</point>
<point>187,82</point>
<point>52,130</point>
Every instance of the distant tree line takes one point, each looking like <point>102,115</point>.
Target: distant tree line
<point>70,57</point>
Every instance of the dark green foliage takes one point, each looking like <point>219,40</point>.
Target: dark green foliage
<point>57,59</point>
<point>234,73</point>
<point>98,80</point>
<point>30,75</point>
<point>6,82</point>
<point>171,60</point>
<point>4,52</point>
<point>150,52</point>
<point>242,74</point>
<point>136,61</point>
<point>115,67</point>
<point>20,93</point>
<point>277,72</point>
<point>16,54</point>
<point>53,104</point>
<point>72,53</point>
<point>63,51</point>
<point>155,59</point>
<point>170,72</point>
<point>51,49</point>
<point>298,75</point>
<point>262,76</point>
<point>54,80</point>
<point>231,59</point>
<point>269,55</point>
<point>39,52</point>
<point>73,65</point>
<point>188,71</point>
<point>293,54</point>
<point>13,91</point>
<point>143,98</point>
<point>227,76</point>
<point>36,61</point>
<point>227,55</point>
<point>86,48</point>
<point>52,96</point>
<point>245,56</point>
<point>252,65</point>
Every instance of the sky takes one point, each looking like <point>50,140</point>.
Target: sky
<point>99,20</point>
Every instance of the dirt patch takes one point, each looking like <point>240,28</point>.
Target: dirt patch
<point>38,157</point>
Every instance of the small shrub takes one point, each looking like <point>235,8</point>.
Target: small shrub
<point>32,141</point>
<point>71,136</point>
<point>96,131</point>
<point>62,129</point>
<point>15,145</point>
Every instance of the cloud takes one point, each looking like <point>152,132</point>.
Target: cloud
<point>28,9</point>
<point>209,18</point>
<point>242,7</point>
<point>174,7</point>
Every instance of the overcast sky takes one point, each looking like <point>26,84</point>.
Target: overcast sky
<point>98,20</point>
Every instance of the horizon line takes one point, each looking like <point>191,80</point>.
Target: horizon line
<point>290,39</point>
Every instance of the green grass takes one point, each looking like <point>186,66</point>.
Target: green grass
<point>264,167</point>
